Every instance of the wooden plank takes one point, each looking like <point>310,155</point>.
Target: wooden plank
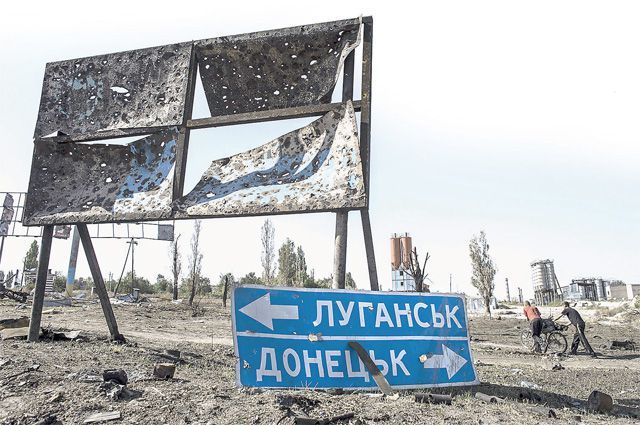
<point>267,115</point>
<point>99,282</point>
<point>41,283</point>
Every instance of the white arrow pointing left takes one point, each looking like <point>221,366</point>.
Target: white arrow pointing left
<point>261,310</point>
<point>449,360</point>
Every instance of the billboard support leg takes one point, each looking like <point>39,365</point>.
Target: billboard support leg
<point>340,253</point>
<point>41,283</point>
<point>73,259</point>
<point>368,245</point>
<point>99,282</point>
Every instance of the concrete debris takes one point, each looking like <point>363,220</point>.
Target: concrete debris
<point>287,401</point>
<point>14,333</point>
<point>530,385</point>
<point>103,417</point>
<point>623,345</point>
<point>488,398</point>
<point>116,392</point>
<point>433,398</point>
<point>557,366</point>
<point>164,370</point>
<point>544,411</point>
<point>58,396</point>
<point>118,376</point>
<point>49,420</point>
<point>20,322</point>
<point>312,421</point>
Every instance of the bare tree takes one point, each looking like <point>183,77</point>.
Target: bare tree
<point>226,280</point>
<point>267,234</point>
<point>483,269</point>
<point>419,274</point>
<point>176,265</point>
<point>195,260</point>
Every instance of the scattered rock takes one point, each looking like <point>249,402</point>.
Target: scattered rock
<point>530,385</point>
<point>164,370</point>
<point>103,417</point>
<point>117,375</point>
<point>599,402</point>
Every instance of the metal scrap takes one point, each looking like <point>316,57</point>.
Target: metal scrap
<point>109,94</point>
<point>80,183</point>
<point>317,167</point>
<point>372,368</point>
<point>274,69</point>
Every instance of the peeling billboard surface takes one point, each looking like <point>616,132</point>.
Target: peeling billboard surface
<point>314,168</point>
<point>275,69</point>
<point>145,88</point>
<point>92,183</point>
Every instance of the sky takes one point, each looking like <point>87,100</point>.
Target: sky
<point>516,118</point>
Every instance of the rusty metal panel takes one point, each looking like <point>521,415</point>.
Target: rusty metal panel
<point>275,69</point>
<point>114,94</point>
<point>93,183</point>
<point>314,168</point>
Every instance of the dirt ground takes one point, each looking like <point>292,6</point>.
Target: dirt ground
<point>67,383</point>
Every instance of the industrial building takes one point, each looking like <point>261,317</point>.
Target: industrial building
<point>401,279</point>
<point>598,289</point>
<point>546,288</point>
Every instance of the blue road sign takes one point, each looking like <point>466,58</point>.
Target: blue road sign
<point>298,338</point>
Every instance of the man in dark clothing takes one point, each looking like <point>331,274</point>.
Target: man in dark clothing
<point>578,337</point>
<point>533,317</point>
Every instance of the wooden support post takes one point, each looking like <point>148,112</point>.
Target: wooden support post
<point>99,282</point>
<point>41,283</point>
<point>340,253</point>
<point>365,147</point>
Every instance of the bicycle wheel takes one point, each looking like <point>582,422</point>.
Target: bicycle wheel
<point>526,338</point>
<point>556,343</point>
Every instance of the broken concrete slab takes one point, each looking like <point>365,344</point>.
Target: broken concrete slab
<point>20,322</point>
<point>164,370</point>
<point>103,417</point>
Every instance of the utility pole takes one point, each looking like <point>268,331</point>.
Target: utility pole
<point>450,284</point>
<point>132,243</point>
<point>506,281</point>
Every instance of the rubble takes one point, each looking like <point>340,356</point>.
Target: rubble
<point>103,417</point>
<point>164,370</point>
<point>433,398</point>
<point>599,402</point>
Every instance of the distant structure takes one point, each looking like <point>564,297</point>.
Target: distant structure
<point>546,287</point>
<point>598,289</point>
<point>401,279</point>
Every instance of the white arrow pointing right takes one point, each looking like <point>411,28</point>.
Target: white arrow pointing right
<point>449,360</point>
<point>262,311</point>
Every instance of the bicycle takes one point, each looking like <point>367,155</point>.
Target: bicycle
<point>553,338</point>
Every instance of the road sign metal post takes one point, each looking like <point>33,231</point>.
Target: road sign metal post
<point>299,338</point>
